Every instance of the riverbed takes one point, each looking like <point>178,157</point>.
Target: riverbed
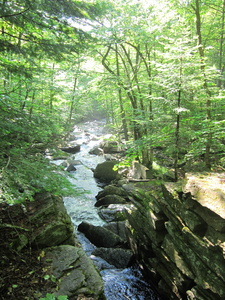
<point>119,284</point>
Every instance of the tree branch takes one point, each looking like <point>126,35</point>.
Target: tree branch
<point>15,14</point>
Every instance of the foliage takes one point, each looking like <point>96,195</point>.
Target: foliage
<point>155,69</point>
<point>24,169</point>
<point>52,297</point>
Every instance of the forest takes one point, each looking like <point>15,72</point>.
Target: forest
<point>154,69</point>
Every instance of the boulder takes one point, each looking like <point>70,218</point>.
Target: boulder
<point>70,164</point>
<point>104,171</point>
<point>96,151</point>
<point>207,197</point>
<point>137,171</point>
<point>49,221</point>
<point>70,168</point>
<point>110,199</point>
<point>115,212</point>
<point>118,228</point>
<point>100,236</point>
<point>118,257</point>
<point>74,162</point>
<point>177,231</point>
<point>74,271</point>
<point>110,147</point>
<point>111,190</point>
<point>72,149</point>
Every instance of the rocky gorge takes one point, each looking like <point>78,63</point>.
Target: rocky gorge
<point>174,231</point>
<point>177,233</point>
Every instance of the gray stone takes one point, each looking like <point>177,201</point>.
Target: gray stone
<point>49,221</point>
<point>110,199</point>
<point>178,234</point>
<point>115,212</point>
<point>118,228</point>
<point>104,171</point>
<point>96,151</point>
<point>74,271</point>
<point>72,149</point>
<point>118,257</point>
<point>111,190</point>
<point>70,168</point>
<point>100,236</point>
<point>110,147</point>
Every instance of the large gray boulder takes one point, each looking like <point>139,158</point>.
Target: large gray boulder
<point>104,171</point>
<point>100,236</point>
<point>75,272</point>
<point>118,257</point>
<point>110,199</point>
<point>96,151</point>
<point>115,212</point>
<point>49,221</point>
<point>118,228</point>
<point>111,147</point>
<point>111,190</point>
<point>71,149</point>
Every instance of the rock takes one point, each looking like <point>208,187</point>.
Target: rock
<point>118,228</point>
<point>177,232</point>
<point>104,171</point>
<point>110,199</point>
<point>108,156</point>
<point>100,236</point>
<point>74,271</point>
<point>50,221</point>
<point>208,198</point>
<point>110,147</point>
<point>115,212</point>
<point>74,162</point>
<point>45,224</point>
<point>70,164</point>
<point>70,168</point>
<point>72,149</point>
<point>111,190</point>
<point>137,171</point>
<point>64,164</point>
<point>96,151</point>
<point>118,257</point>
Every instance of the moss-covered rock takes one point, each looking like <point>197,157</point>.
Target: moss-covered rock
<point>104,171</point>
<point>74,271</point>
<point>178,234</point>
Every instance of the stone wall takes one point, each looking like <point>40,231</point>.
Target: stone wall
<point>178,234</point>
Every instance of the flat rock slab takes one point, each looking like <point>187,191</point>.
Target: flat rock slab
<point>75,272</point>
<point>208,190</point>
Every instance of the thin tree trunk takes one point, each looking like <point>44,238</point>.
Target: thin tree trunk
<point>205,85</point>
<point>177,137</point>
<point>72,103</point>
<point>123,116</point>
<point>177,132</point>
<point>32,105</point>
<point>52,93</point>
<point>221,46</point>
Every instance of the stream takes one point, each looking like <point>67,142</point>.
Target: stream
<point>119,284</point>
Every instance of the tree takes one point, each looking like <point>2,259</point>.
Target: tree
<point>36,38</point>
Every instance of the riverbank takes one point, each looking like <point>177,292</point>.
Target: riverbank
<point>22,274</point>
<point>40,253</point>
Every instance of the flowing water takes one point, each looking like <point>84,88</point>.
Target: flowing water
<point>120,284</point>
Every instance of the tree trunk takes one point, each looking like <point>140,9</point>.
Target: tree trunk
<point>72,103</point>
<point>52,93</point>
<point>220,82</point>
<point>205,85</point>
<point>123,116</point>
